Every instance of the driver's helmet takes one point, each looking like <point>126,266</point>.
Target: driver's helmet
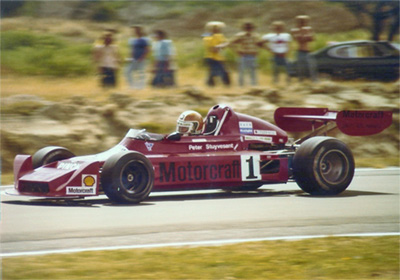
<point>189,123</point>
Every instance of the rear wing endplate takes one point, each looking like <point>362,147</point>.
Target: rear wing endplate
<point>350,122</point>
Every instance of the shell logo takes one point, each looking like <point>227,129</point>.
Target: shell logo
<point>89,180</point>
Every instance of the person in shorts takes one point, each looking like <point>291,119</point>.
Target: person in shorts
<point>278,43</point>
<point>303,34</point>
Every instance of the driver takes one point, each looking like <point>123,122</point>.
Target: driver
<point>190,123</point>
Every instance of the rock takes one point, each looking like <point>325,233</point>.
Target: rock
<point>374,88</point>
<point>121,100</point>
<point>196,94</point>
<point>149,104</point>
<point>322,100</point>
<point>79,100</point>
<point>359,100</point>
<point>59,111</point>
<point>326,87</point>
<point>26,105</point>
<point>272,95</point>
<point>23,98</point>
<point>109,110</point>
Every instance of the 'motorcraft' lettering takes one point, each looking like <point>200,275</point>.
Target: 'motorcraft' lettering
<point>169,172</point>
<point>366,115</point>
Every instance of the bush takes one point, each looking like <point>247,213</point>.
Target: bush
<point>104,14</point>
<point>25,108</point>
<point>32,54</point>
<point>190,52</point>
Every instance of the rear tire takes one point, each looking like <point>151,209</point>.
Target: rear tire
<point>127,177</point>
<point>323,166</point>
<point>50,154</point>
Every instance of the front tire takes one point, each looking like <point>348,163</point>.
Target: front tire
<point>50,154</point>
<point>323,166</point>
<point>127,177</point>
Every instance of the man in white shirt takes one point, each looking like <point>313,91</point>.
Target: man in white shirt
<point>279,45</point>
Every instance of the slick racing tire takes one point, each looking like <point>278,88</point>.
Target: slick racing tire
<point>50,154</point>
<point>127,177</point>
<point>323,166</point>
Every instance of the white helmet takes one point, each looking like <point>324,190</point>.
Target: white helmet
<point>189,123</point>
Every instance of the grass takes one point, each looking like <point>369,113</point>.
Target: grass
<point>29,53</point>
<point>326,258</point>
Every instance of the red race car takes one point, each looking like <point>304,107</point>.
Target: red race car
<point>226,150</point>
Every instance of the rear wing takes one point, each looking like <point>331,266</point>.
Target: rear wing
<point>350,122</point>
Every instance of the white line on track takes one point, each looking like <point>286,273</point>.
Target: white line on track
<point>194,244</point>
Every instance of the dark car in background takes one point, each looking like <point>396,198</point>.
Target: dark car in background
<point>370,60</point>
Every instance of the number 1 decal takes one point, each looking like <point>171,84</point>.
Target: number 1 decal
<point>250,167</point>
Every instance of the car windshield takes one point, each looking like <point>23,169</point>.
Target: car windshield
<point>135,133</point>
<point>359,51</point>
<point>141,134</point>
<point>396,45</point>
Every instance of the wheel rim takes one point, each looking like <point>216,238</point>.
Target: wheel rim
<point>334,167</point>
<point>134,177</point>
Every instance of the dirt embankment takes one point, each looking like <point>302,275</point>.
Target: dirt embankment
<point>84,126</point>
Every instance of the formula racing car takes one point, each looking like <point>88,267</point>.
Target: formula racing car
<point>230,151</point>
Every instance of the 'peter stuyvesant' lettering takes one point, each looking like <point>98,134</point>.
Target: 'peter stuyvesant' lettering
<point>170,172</point>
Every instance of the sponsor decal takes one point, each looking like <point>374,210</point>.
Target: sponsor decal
<point>363,115</point>
<point>68,165</point>
<point>149,146</point>
<point>198,140</point>
<point>212,147</point>
<point>81,191</point>
<point>246,127</point>
<point>264,132</point>
<point>195,147</point>
<point>89,180</point>
<point>258,138</point>
<point>219,146</point>
<point>172,172</point>
<point>89,183</point>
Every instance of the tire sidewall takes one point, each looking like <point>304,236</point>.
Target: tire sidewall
<point>112,173</point>
<point>50,154</point>
<point>320,153</point>
<point>307,166</point>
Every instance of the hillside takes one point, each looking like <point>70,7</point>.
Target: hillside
<point>187,18</point>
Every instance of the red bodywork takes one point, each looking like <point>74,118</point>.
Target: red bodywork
<point>236,150</point>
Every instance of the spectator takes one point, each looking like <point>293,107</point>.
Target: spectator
<point>107,58</point>
<point>246,43</point>
<point>304,35</point>
<point>279,46</point>
<point>100,40</point>
<point>139,47</point>
<point>213,57</point>
<point>164,52</point>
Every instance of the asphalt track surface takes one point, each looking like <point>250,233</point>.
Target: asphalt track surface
<point>369,206</point>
